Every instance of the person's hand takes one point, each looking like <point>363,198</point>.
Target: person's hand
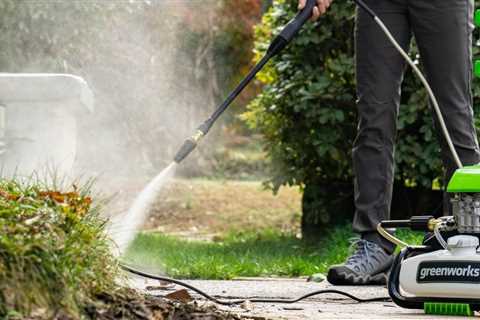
<point>318,10</point>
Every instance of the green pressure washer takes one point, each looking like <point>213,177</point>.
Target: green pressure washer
<point>441,276</point>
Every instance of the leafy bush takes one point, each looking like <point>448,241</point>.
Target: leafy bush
<point>54,257</point>
<point>307,111</point>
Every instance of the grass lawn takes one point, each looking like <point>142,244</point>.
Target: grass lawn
<point>247,254</point>
<point>222,229</point>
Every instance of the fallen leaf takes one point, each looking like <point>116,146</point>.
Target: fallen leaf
<point>317,277</point>
<point>180,295</point>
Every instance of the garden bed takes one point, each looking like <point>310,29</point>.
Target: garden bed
<point>56,262</point>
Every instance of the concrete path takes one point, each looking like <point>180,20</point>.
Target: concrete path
<point>321,307</point>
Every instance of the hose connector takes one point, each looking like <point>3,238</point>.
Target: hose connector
<point>188,146</point>
<point>432,224</point>
<point>197,136</point>
<point>415,223</point>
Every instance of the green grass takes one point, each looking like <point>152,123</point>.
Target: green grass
<point>247,254</point>
<point>410,237</point>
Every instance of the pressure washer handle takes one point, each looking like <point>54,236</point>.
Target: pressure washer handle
<point>292,28</point>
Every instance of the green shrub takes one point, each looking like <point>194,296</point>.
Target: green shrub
<point>307,111</point>
<point>54,257</point>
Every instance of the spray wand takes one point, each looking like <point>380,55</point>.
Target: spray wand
<point>277,45</point>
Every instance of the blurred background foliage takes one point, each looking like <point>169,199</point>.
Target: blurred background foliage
<point>156,69</point>
<point>307,116</point>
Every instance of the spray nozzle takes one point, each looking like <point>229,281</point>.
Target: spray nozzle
<point>188,146</point>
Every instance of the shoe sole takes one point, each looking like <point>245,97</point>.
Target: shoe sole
<point>340,278</point>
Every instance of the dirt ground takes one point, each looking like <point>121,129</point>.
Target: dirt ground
<point>204,208</point>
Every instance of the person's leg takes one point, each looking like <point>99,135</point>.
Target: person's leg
<point>379,73</point>
<point>443,32</point>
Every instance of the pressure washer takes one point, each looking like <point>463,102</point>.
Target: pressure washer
<point>441,276</point>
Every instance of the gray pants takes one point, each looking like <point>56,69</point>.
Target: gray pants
<point>443,32</point>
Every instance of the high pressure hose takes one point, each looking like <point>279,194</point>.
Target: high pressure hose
<point>424,81</point>
<point>277,45</point>
<point>436,228</point>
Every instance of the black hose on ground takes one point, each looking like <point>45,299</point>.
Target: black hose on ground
<point>140,273</point>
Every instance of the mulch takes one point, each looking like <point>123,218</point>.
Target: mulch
<point>129,304</point>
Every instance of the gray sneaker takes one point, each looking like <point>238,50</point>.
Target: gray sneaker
<point>368,264</point>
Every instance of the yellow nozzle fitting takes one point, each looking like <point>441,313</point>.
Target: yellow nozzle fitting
<point>432,223</point>
<point>197,136</point>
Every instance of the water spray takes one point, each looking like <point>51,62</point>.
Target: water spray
<point>276,46</point>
